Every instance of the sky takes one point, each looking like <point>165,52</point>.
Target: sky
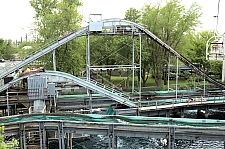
<point>17,15</point>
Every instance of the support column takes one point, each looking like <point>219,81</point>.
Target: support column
<point>139,74</point>
<point>42,135</point>
<point>204,88</point>
<point>90,101</point>
<point>111,136</point>
<point>22,136</point>
<point>54,98</point>
<point>53,59</point>
<point>71,141</point>
<point>61,135</point>
<point>176,78</point>
<point>168,73</point>
<point>223,71</point>
<point>171,139</point>
<point>7,97</point>
<point>88,58</point>
<point>88,63</point>
<point>133,63</point>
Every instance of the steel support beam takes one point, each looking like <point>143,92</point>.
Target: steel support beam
<point>133,64</point>
<point>61,135</point>
<point>111,136</point>
<point>54,60</point>
<point>171,138</point>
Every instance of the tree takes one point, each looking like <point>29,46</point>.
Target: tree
<point>197,52</point>
<point>52,19</point>
<point>170,23</point>
<point>7,145</point>
<point>7,50</point>
<point>133,15</point>
<point>2,47</point>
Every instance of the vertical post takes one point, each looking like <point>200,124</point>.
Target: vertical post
<point>21,135</point>
<point>177,78</point>
<point>55,102</point>
<point>168,73</point>
<point>139,74</point>
<point>41,135</point>
<point>223,71</point>
<point>171,139</point>
<point>204,87</point>
<point>88,61</point>
<point>88,58</point>
<point>111,136</point>
<point>71,140</point>
<point>132,62</point>
<point>59,135</point>
<point>53,60</point>
<point>24,138</point>
<point>7,97</point>
<point>90,101</point>
<point>63,143</point>
<point>116,138</point>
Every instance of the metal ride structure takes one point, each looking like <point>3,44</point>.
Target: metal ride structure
<point>215,50</point>
<point>98,27</point>
<point>109,27</point>
<point>102,27</point>
<point>56,76</point>
<point>110,126</point>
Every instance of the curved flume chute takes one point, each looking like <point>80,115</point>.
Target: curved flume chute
<point>50,47</point>
<point>171,50</point>
<point>53,76</point>
<point>109,24</point>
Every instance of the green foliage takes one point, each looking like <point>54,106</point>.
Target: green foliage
<point>196,53</point>
<point>170,23</point>
<point>52,19</point>
<point>2,47</point>
<point>133,15</point>
<point>7,145</point>
<point>7,50</point>
<point>196,43</point>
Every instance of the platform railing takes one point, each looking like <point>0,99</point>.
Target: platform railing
<point>112,89</point>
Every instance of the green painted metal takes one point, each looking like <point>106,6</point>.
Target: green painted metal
<point>115,119</point>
